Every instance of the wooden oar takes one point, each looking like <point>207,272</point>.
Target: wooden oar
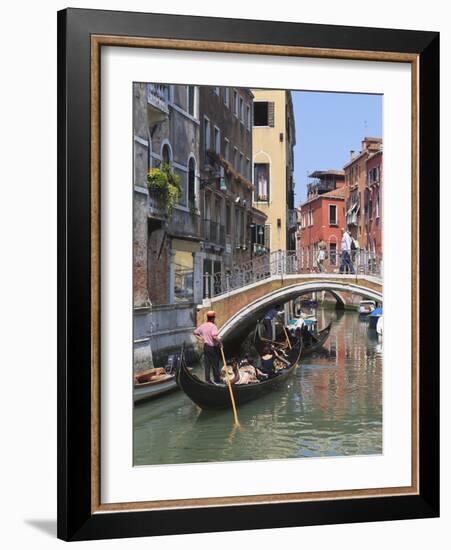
<point>273,342</point>
<point>286,334</point>
<point>232,398</point>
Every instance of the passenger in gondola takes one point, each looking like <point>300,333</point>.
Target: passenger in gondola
<point>267,361</point>
<point>249,372</point>
<point>243,373</point>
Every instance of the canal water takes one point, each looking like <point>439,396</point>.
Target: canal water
<point>332,406</point>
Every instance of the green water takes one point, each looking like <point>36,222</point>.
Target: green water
<point>332,406</point>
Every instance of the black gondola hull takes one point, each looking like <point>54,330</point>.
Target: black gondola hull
<point>211,397</point>
<point>323,335</point>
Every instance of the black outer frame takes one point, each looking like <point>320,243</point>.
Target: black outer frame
<point>75,520</point>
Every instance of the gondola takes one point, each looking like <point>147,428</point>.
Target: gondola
<point>316,342</point>
<point>311,343</point>
<point>210,397</point>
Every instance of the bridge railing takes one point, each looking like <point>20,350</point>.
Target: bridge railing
<point>290,262</point>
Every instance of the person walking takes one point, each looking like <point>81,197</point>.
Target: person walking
<point>322,247</point>
<point>207,334</point>
<point>346,246</point>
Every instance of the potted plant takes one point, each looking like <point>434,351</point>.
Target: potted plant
<point>165,184</point>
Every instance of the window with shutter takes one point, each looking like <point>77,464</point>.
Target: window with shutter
<point>271,114</point>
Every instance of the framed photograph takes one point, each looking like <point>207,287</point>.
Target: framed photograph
<point>248,274</point>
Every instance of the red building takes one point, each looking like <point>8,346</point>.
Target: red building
<point>357,203</point>
<point>373,203</point>
<point>320,220</point>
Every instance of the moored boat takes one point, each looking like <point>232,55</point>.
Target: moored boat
<point>309,303</point>
<point>156,381</point>
<point>210,396</point>
<point>374,317</point>
<point>366,307</point>
<point>158,386</point>
<point>380,325</point>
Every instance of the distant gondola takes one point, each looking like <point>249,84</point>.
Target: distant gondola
<point>311,343</point>
<point>210,396</point>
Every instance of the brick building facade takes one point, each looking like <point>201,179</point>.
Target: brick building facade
<point>320,219</point>
<point>352,199</point>
<point>356,178</point>
<point>373,202</point>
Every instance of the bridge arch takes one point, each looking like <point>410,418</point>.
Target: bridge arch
<point>338,297</point>
<point>243,320</point>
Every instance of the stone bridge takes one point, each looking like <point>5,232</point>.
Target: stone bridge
<point>237,311</point>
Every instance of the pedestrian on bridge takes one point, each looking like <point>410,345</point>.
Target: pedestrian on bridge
<point>321,255</point>
<point>207,334</point>
<point>346,265</point>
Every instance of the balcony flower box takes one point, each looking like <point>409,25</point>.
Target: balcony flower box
<point>164,184</point>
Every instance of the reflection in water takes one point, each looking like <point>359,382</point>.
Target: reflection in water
<point>332,406</point>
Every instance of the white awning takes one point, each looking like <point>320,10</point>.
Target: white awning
<point>353,207</point>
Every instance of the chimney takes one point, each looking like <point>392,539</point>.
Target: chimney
<point>371,143</point>
<point>352,153</point>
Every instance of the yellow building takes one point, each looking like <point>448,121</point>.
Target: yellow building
<point>274,136</point>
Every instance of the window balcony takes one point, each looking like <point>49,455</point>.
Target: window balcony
<point>180,222</point>
<point>157,206</point>
<point>183,223</point>
<point>157,102</point>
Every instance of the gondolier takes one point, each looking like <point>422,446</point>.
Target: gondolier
<point>207,333</point>
<point>269,321</point>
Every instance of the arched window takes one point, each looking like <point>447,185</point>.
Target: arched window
<point>166,155</point>
<point>192,183</point>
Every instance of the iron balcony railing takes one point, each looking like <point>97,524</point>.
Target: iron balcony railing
<point>157,205</point>
<point>280,263</point>
<point>318,187</point>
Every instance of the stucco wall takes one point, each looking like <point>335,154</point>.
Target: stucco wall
<point>269,149</point>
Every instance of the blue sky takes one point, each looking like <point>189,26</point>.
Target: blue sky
<point>328,126</point>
